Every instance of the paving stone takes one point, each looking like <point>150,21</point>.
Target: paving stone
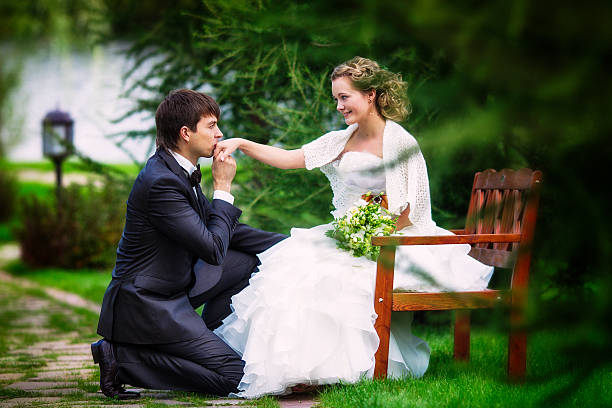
<point>103,405</point>
<point>172,402</point>
<point>297,401</point>
<point>28,401</point>
<point>31,320</point>
<point>66,365</point>
<point>30,352</point>
<point>34,304</point>
<point>226,402</point>
<point>156,394</point>
<point>73,300</point>
<point>67,347</point>
<point>75,357</point>
<point>38,385</point>
<point>36,331</point>
<point>47,375</point>
<point>10,376</point>
<point>60,391</point>
<point>63,346</point>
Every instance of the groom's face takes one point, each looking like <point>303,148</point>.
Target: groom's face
<point>204,139</point>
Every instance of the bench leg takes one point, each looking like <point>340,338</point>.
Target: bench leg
<point>383,304</point>
<point>517,341</point>
<point>382,354</point>
<point>517,356</point>
<point>462,335</point>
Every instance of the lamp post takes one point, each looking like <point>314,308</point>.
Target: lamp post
<point>57,134</point>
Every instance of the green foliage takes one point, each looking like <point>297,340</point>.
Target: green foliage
<point>56,21</point>
<point>81,230</point>
<point>267,63</point>
<point>23,189</point>
<point>9,80</point>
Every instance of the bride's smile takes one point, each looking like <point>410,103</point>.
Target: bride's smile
<point>353,104</point>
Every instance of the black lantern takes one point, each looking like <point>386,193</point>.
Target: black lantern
<point>57,133</point>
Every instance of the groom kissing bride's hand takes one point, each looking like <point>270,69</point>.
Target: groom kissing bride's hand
<point>178,251</point>
<point>223,172</point>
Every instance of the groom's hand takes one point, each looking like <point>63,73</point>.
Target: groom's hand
<point>223,173</point>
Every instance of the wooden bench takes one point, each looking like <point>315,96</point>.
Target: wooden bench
<point>500,227</point>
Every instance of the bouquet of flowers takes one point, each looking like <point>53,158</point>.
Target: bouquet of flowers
<point>366,219</point>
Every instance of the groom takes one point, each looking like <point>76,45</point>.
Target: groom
<point>177,252</point>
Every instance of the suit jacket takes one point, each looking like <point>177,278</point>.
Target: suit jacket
<point>167,228</point>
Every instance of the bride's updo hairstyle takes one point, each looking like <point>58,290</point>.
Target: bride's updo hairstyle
<point>365,74</point>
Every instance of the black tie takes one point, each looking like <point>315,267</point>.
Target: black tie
<point>196,177</point>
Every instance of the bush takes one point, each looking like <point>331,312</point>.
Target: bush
<point>8,192</point>
<point>82,232</point>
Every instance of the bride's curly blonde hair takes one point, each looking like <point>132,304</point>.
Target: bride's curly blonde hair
<point>365,74</point>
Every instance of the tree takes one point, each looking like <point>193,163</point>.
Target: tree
<point>495,84</point>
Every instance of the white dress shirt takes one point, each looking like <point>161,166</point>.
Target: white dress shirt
<point>190,168</point>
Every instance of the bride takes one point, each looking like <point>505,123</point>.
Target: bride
<point>307,316</point>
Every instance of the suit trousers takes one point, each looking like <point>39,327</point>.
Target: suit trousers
<point>205,364</point>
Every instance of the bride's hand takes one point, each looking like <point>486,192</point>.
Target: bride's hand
<point>226,147</point>
<point>403,220</point>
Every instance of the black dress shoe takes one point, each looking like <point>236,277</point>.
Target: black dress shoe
<point>103,355</point>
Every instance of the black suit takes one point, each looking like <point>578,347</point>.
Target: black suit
<point>148,308</point>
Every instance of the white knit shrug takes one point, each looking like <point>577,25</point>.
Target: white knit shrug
<point>405,170</point>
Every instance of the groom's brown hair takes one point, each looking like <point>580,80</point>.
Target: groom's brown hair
<point>182,107</point>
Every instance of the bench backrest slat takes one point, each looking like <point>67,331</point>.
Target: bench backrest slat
<point>500,203</point>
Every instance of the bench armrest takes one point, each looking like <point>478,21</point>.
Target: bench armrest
<point>445,239</point>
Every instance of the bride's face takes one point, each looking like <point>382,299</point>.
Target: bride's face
<point>352,103</point>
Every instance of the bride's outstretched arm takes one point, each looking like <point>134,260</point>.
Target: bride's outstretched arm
<point>274,156</point>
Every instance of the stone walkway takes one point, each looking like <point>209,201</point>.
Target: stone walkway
<point>44,361</point>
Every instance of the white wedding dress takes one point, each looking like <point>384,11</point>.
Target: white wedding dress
<point>307,316</point>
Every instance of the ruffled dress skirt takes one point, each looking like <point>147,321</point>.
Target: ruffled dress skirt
<point>307,316</point>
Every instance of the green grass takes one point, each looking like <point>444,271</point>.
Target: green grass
<point>481,382</point>
<point>32,188</point>
<point>87,283</point>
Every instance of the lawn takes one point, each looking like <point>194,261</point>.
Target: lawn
<point>480,383</point>
<point>89,284</point>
